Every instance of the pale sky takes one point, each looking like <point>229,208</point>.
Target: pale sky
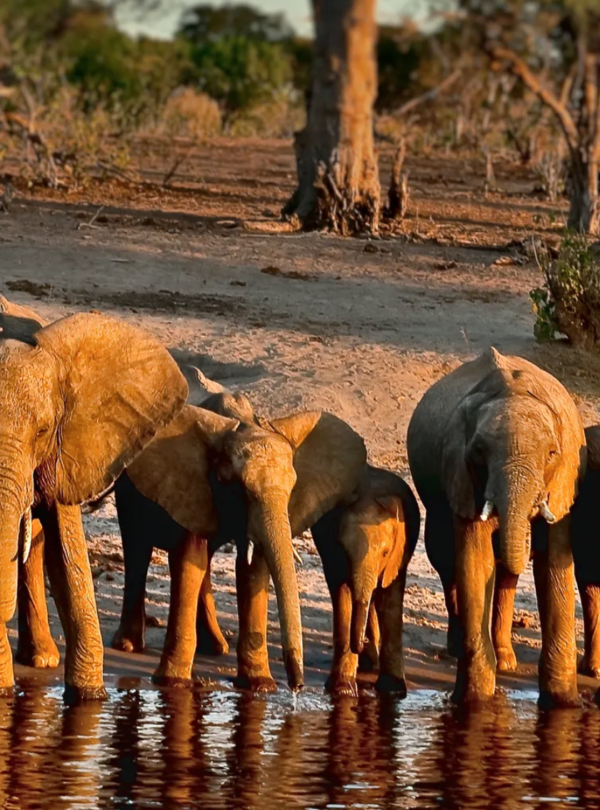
<point>297,11</point>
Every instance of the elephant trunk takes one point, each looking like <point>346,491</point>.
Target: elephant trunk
<point>364,582</point>
<point>360,614</point>
<point>272,529</point>
<point>515,499</point>
<point>10,523</point>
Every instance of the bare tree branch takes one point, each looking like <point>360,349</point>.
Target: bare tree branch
<point>520,69</point>
<point>432,94</point>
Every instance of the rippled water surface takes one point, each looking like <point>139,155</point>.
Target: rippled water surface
<point>188,749</point>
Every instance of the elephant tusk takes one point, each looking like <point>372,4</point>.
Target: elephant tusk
<point>487,510</point>
<point>297,556</point>
<point>546,513</point>
<point>27,534</point>
<point>250,552</point>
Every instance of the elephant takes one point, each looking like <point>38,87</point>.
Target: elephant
<point>223,479</point>
<point>497,450</point>
<point>79,399</point>
<point>586,553</point>
<point>366,547</point>
<point>144,526</point>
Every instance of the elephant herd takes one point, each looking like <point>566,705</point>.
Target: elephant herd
<point>497,453</point>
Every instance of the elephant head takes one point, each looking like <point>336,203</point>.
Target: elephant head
<point>291,470</point>
<point>514,448</point>
<point>78,400</point>
<point>373,536</point>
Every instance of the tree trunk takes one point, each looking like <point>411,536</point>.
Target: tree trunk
<point>338,180</point>
<point>583,196</point>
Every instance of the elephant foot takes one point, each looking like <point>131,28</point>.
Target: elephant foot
<point>342,686</point>
<point>128,640</point>
<point>73,695</point>
<point>474,685</point>
<point>391,684</point>
<point>506,660</point>
<point>589,668</point>
<point>40,655</point>
<point>559,700</point>
<point>261,684</point>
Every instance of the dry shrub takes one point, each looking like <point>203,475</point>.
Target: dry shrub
<point>59,143</point>
<point>189,114</point>
<point>569,303</point>
<point>278,118</point>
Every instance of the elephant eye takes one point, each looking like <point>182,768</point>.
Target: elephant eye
<point>386,553</point>
<point>42,431</point>
<point>552,453</point>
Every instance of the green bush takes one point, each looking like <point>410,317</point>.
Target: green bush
<point>240,73</point>
<point>569,302</point>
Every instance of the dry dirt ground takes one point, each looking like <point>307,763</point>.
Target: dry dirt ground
<point>357,327</point>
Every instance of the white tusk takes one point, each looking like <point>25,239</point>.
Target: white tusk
<point>297,555</point>
<point>488,508</point>
<point>250,552</point>
<point>27,534</point>
<point>546,513</point>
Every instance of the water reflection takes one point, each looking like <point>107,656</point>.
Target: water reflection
<point>189,749</point>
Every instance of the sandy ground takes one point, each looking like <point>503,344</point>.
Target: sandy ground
<point>357,327</point>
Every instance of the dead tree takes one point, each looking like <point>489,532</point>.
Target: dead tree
<point>338,179</point>
<point>580,124</point>
<point>398,193</point>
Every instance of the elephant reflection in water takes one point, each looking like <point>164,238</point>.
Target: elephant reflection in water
<point>494,757</point>
<point>49,753</point>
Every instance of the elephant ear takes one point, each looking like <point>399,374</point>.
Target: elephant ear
<point>173,471</point>
<point>564,485</point>
<point>118,386</point>
<point>391,506</point>
<point>456,477</point>
<point>329,458</point>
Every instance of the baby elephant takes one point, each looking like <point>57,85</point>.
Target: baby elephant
<point>365,570</point>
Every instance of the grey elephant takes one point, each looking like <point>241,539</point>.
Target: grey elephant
<point>365,548</point>
<point>79,399</point>
<point>497,451</point>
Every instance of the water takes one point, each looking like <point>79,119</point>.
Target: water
<point>188,749</point>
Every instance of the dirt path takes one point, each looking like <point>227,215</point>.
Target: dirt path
<point>360,328</point>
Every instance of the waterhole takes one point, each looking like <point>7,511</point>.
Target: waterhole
<point>190,749</point>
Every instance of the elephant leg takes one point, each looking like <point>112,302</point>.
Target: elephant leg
<point>475,574</point>
<point>73,590</point>
<point>342,679</point>
<point>368,660</point>
<point>439,544</point>
<point>590,602</point>
<point>555,586</point>
<point>36,646</point>
<point>252,583</point>
<point>211,640</point>
<point>130,635</point>
<point>188,564</point>
<point>390,608</point>
<point>504,602</point>
<point>7,678</point>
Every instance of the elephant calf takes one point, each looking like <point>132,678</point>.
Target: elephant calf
<point>366,573</point>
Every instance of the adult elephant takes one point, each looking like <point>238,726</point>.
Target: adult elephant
<point>79,399</point>
<point>222,479</point>
<point>496,449</point>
